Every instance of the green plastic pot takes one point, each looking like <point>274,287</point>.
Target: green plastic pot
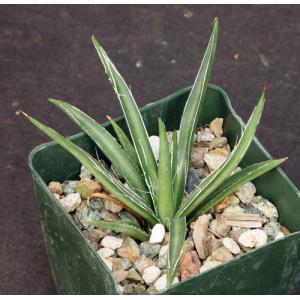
<point>76,267</point>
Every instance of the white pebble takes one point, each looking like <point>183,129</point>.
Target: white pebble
<point>111,242</point>
<point>231,245</point>
<point>154,143</point>
<point>70,202</point>
<point>161,283</point>
<point>157,234</point>
<point>260,237</point>
<point>253,238</point>
<point>247,239</point>
<point>108,263</point>
<point>205,136</point>
<point>163,250</point>
<point>246,192</point>
<point>279,235</point>
<point>106,252</point>
<point>150,274</point>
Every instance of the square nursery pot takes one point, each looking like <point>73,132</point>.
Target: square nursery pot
<point>76,267</point>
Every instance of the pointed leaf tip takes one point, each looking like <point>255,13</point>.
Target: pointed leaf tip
<point>22,113</point>
<point>265,88</point>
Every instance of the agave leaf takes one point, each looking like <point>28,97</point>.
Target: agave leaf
<point>125,195</point>
<point>134,121</point>
<point>177,235</point>
<point>109,146</point>
<point>191,113</point>
<point>233,182</point>
<point>174,153</point>
<point>125,142</point>
<point>123,226</point>
<point>164,204</point>
<point>213,181</point>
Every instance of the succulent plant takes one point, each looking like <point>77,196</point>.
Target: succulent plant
<point>155,191</point>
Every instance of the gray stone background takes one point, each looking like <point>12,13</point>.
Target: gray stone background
<point>46,51</point>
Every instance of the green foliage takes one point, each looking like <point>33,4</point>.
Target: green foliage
<point>156,191</point>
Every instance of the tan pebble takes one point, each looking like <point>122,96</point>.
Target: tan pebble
<point>111,206</point>
<point>120,275</point>
<point>87,187</point>
<point>230,200</point>
<point>213,160</point>
<point>216,126</point>
<point>200,235</point>
<point>189,264</point>
<point>134,275</point>
<point>196,157</point>
<point>221,254</point>
<point>284,230</point>
<point>55,187</point>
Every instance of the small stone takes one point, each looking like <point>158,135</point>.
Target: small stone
<point>279,235</point>
<point>108,216</point>
<point>221,254</point>
<point>205,135</point>
<point>194,178</point>
<point>69,187</point>
<point>246,192</point>
<point>126,263</point>
<point>120,275</point>
<point>188,244</point>
<point>163,257</point>
<point>216,126</point>
<point>213,243</point>
<point>231,245</point>
<point>254,237</point>
<point>87,187</point>
<point>129,249</point>
<point>161,283</point>
<point>200,235</point>
<point>134,289</point>
<point>214,161</point>
<point>267,208</point>
<point>154,143</point>
<point>55,187</point>
<point>236,232</point>
<point>121,289</point>
<point>230,200</point>
<point>222,228</point>
<point>285,230</point>
<point>94,235</point>
<point>125,215</point>
<point>151,290</point>
<point>56,196</point>
<point>233,209</point>
<point>196,157</point>
<point>111,242</point>
<point>242,220</point>
<point>134,275</point>
<point>142,263</point>
<point>247,239</point>
<point>150,274</point>
<point>149,250</point>
<point>189,264</point>
<point>271,229</point>
<point>157,234</point>
<point>95,204</point>
<point>106,252</point>
<point>85,174</point>
<point>95,215</point>
<point>70,202</point>
<point>209,265</point>
<point>260,237</point>
<point>112,207</point>
<point>218,142</point>
<point>108,263</point>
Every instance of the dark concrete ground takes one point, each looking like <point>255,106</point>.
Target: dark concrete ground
<point>45,51</point>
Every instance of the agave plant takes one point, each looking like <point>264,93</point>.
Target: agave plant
<point>156,191</point>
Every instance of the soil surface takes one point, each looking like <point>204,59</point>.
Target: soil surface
<point>46,51</point>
